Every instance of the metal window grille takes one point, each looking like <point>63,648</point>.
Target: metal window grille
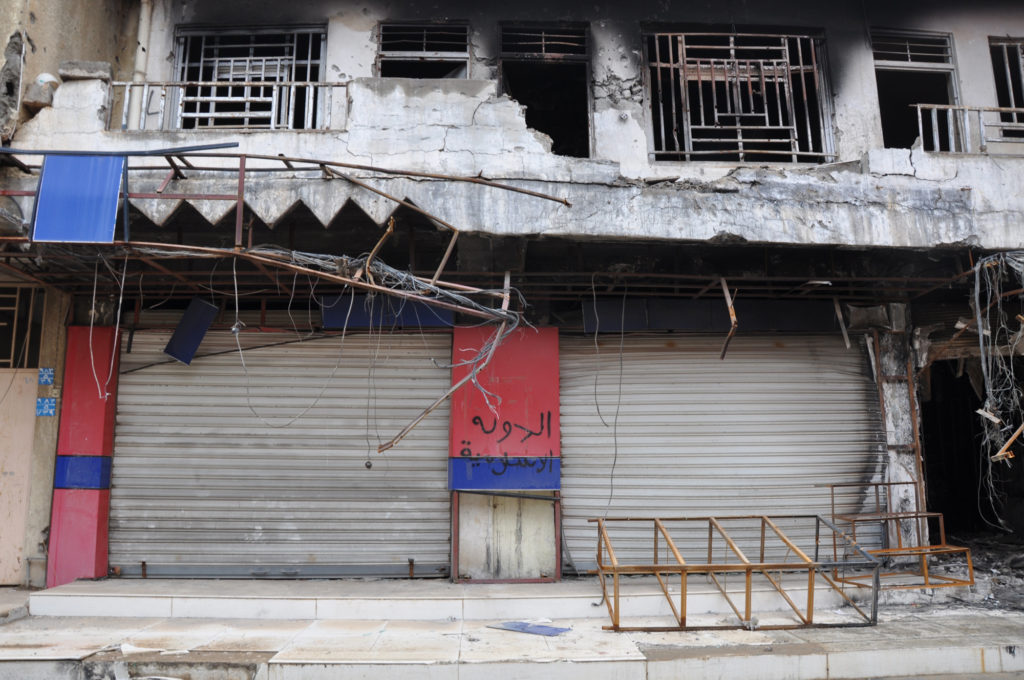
<point>911,48</point>
<point>1008,66</point>
<point>250,79</point>
<point>21,310</point>
<point>440,50</point>
<point>738,97</point>
<point>565,42</point>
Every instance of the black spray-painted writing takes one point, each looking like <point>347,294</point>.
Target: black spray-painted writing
<point>544,425</point>
<point>499,465</point>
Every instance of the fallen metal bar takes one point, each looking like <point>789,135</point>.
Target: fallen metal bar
<point>365,269</point>
<point>469,376</point>
<point>411,206</point>
<point>734,323</point>
<point>1005,453</point>
<point>152,152</point>
<point>336,278</point>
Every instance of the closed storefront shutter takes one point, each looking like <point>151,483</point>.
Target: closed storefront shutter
<point>665,428</point>
<point>272,469</point>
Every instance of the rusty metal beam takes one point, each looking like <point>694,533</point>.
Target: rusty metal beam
<point>170,272</point>
<point>471,375</point>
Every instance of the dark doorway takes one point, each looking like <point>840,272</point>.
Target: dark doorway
<point>898,91</point>
<point>556,101</point>
<point>952,436</point>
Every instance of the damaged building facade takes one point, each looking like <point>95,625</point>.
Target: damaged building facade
<point>729,252</point>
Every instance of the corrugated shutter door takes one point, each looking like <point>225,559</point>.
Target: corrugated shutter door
<point>762,432</point>
<point>202,486</point>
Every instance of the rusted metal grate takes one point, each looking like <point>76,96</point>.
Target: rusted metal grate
<point>911,47</point>
<point>422,39</point>
<point>424,50</point>
<point>250,79</point>
<point>738,97</point>
<point>544,41</point>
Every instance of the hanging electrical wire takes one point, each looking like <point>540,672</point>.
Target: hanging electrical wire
<point>1000,327</point>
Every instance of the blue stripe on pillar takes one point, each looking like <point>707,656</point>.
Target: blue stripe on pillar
<point>481,473</point>
<point>82,472</point>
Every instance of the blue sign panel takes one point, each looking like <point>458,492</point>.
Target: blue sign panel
<point>46,406</point>
<point>77,199</point>
<point>45,376</point>
<point>82,472</point>
<point>492,473</point>
<point>191,330</point>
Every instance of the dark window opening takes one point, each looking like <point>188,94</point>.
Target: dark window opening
<point>738,97</point>
<point>255,79</point>
<point>914,70</point>
<point>898,92</point>
<point>1008,66</point>
<point>546,69</point>
<point>424,50</point>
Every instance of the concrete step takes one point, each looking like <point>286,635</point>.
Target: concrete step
<point>406,600</point>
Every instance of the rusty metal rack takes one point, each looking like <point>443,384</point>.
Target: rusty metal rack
<point>890,511</point>
<point>779,559</point>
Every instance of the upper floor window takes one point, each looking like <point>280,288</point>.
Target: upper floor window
<point>424,50</point>
<point>250,78</point>
<point>914,68</point>
<point>738,97</point>
<point>546,68</point>
<point>1008,64</point>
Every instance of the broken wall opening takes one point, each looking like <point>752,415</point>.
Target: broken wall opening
<point>952,440</point>
<point>546,70</point>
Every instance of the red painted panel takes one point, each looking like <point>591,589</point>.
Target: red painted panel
<point>78,535</point>
<point>522,419</point>
<point>86,419</point>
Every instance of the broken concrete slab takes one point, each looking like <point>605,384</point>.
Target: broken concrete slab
<point>86,70</point>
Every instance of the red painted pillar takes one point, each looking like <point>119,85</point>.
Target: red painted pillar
<point>85,443</point>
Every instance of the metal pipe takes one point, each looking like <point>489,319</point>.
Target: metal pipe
<point>141,57</point>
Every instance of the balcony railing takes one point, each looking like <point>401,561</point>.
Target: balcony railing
<point>995,131</point>
<point>246,105</point>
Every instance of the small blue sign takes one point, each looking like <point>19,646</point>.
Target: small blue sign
<point>46,406</point>
<point>45,376</point>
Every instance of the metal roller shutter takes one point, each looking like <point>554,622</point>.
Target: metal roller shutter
<point>762,432</point>
<point>203,487</point>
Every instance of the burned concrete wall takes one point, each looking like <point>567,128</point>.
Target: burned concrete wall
<point>41,34</point>
<point>468,126</point>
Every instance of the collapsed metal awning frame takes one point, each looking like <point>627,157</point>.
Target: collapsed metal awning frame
<point>805,566</point>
